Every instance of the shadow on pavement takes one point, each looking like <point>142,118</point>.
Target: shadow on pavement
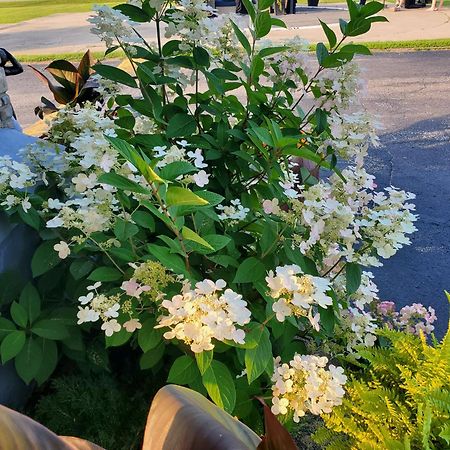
<point>417,159</point>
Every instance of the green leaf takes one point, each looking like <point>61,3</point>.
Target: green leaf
<point>321,52</point>
<point>263,24</point>
<point>29,360</point>
<point>268,238</point>
<point>330,34</point>
<point>181,125</point>
<point>152,357</point>
<point>31,218</point>
<point>183,371</point>
<point>105,274</point>
<point>354,48</point>
<point>278,23</point>
<point>115,74</point>
<point>271,51</point>
<point>171,47</point>
<point>171,261</point>
<point>5,327</point>
<point>307,265</point>
<point>118,339</point>
<point>258,358</point>
<point>218,241</point>
<point>257,68</point>
<point>49,360</point>
<point>135,13</point>
<point>148,336</point>
<point>253,334</point>
<point>353,277</point>
<point>124,230</point>
<point>177,196</point>
<point>19,314</point>
<point>371,8</point>
<point>327,319</point>
<point>12,344</point>
<point>242,38</point>
<point>353,9</point>
<point>175,169</point>
<point>120,182</point>
<point>250,9</point>
<point>201,56</point>
<point>220,386</point>
<point>133,156</point>
<point>204,360</point>
<point>144,220</point>
<point>80,268</point>
<point>44,259</point>
<point>49,329</point>
<point>190,235</point>
<point>250,270</point>
<point>211,198</point>
<point>31,302</point>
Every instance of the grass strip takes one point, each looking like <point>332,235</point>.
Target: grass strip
<point>18,11</point>
<point>419,44</point>
<point>68,56</point>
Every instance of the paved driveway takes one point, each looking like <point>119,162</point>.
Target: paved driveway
<point>410,92</point>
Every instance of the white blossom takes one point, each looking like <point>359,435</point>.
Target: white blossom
<point>111,26</point>
<point>207,312</point>
<point>297,293</point>
<point>63,249</point>
<point>234,213</point>
<point>201,178</point>
<point>306,385</point>
<point>110,327</point>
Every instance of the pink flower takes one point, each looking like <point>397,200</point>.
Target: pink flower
<point>271,206</point>
<point>386,308</point>
<point>133,288</point>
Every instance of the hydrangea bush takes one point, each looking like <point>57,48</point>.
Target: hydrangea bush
<point>213,211</point>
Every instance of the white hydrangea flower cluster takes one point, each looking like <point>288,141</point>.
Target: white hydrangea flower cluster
<point>83,130</point>
<point>106,88</point>
<point>110,25</point>
<point>357,325</point>
<point>357,328</point>
<point>306,385</point>
<point>89,206</point>
<point>340,216</point>
<point>287,66</point>
<point>389,221</point>
<point>219,37</point>
<point>233,213</point>
<point>351,134</point>
<point>186,22</point>
<point>97,306</point>
<point>338,87</point>
<point>207,312</point>
<point>13,176</point>
<point>366,294</point>
<point>90,211</point>
<point>297,293</point>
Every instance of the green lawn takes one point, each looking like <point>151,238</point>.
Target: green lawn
<point>18,11</point>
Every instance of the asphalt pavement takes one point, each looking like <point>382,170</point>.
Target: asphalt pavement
<point>410,94</point>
